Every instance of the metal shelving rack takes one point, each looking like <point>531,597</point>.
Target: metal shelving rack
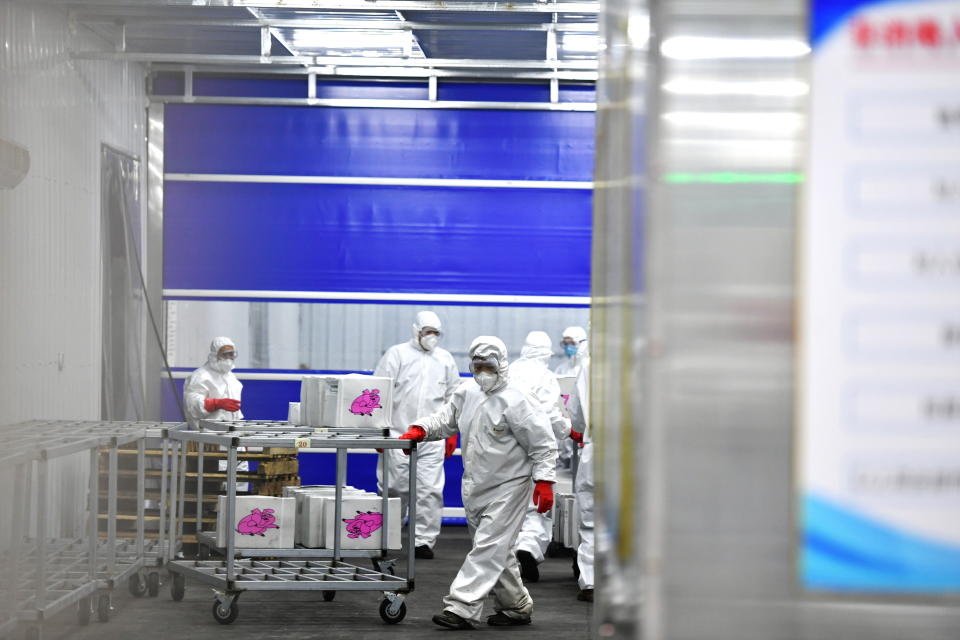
<point>299,568</point>
<point>51,574</point>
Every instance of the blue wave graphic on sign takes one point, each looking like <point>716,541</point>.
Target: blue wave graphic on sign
<point>846,551</point>
<point>827,15</point>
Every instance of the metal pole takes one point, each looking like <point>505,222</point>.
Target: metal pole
<point>230,515</point>
<point>172,493</point>
<point>182,490</point>
<point>338,506</point>
<point>141,493</point>
<point>93,510</point>
<point>385,505</point>
<point>20,502</point>
<point>199,526</point>
<point>412,508</point>
<point>162,543</point>
<point>112,510</point>
<point>42,480</point>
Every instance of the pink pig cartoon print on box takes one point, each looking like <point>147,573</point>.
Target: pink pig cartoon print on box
<point>366,402</point>
<point>257,522</point>
<point>566,398</point>
<point>364,524</point>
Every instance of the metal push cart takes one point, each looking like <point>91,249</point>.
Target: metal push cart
<point>298,568</point>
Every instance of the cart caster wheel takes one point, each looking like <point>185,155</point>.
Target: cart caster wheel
<point>395,618</point>
<point>84,611</point>
<point>137,586</point>
<point>153,584</point>
<point>203,552</point>
<point>178,587</point>
<point>328,596</point>
<point>103,608</point>
<point>225,615</point>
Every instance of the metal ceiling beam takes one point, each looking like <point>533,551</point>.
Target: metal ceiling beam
<point>333,61</point>
<point>348,25</point>
<point>465,6</point>
<point>387,72</point>
<point>382,104</point>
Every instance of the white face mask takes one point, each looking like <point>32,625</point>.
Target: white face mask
<point>486,380</point>
<point>225,365</point>
<point>429,342</point>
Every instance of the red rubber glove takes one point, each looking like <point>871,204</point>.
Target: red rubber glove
<point>577,437</point>
<point>413,433</point>
<point>451,446</point>
<point>227,404</point>
<point>543,496</point>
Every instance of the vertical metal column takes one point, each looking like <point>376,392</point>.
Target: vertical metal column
<point>20,518</point>
<point>93,511</point>
<point>112,510</point>
<point>230,515</point>
<point>42,484</point>
<point>182,491</point>
<point>141,493</point>
<point>163,541</point>
<point>385,505</point>
<point>199,492</point>
<point>412,508</point>
<point>172,493</point>
<point>338,501</point>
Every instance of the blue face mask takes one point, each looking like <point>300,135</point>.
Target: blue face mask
<point>570,350</point>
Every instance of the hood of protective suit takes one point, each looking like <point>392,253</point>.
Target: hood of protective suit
<point>425,319</point>
<point>491,350</point>
<point>215,346</point>
<point>578,335</point>
<point>537,347</point>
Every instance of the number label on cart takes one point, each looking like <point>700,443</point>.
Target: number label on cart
<point>302,443</point>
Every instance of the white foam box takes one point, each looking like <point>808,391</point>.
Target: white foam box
<point>293,413</point>
<point>251,529</point>
<point>359,518</point>
<point>364,401</point>
<point>311,403</point>
<point>311,519</point>
<point>567,386</point>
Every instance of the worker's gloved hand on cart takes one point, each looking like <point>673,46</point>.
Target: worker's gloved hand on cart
<point>543,496</point>
<point>413,433</point>
<point>450,446</point>
<point>577,437</point>
<point>227,404</point>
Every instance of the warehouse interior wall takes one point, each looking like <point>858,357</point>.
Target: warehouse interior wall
<point>62,111</point>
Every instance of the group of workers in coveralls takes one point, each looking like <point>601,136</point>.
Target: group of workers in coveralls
<point>512,437</point>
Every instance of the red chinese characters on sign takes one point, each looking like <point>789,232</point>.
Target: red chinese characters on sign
<point>901,33</point>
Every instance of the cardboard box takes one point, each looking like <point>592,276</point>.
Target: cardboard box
<point>364,401</point>
<point>309,527</point>
<point>260,522</point>
<point>361,525</point>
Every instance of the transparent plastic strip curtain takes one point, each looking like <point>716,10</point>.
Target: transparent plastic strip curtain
<point>124,313</point>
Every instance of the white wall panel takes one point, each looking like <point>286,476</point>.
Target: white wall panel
<point>61,110</point>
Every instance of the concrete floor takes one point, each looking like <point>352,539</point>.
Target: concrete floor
<point>353,616</point>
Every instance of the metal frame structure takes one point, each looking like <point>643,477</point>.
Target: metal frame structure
<point>51,574</point>
<point>296,569</point>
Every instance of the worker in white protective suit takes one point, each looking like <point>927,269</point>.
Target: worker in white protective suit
<point>532,374</point>
<point>212,392</point>
<point>576,351</point>
<point>583,486</point>
<point>508,450</point>
<point>424,377</point>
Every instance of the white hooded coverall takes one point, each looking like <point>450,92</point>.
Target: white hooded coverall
<point>583,484</point>
<point>571,366</point>
<point>507,443</point>
<point>422,381</point>
<point>532,375</point>
<point>214,379</point>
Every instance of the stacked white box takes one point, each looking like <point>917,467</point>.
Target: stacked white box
<point>293,413</point>
<point>364,401</point>
<point>260,522</point>
<point>311,402</point>
<point>361,521</point>
<point>309,509</point>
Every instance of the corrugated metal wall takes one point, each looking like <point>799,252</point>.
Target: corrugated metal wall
<point>61,110</point>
